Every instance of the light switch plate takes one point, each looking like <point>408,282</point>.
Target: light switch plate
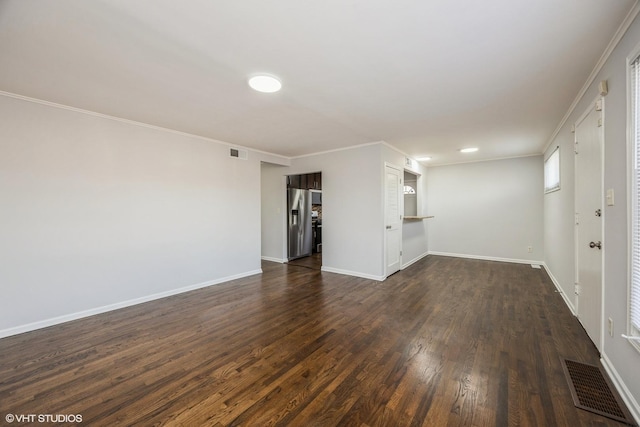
<point>610,197</point>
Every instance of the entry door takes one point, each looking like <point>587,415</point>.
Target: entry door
<point>589,220</point>
<point>393,219</point>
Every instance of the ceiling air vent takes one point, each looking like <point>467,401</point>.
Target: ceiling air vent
<point>409,163</point>
<point>238,153</point>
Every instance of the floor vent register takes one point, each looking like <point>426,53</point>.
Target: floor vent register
<point>592,391</point>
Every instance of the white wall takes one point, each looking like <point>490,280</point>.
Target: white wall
<point>352,209</point>
<point>352,215</point>
<point>619,356</point>
<point>273,209</point>
<point>559,220</point>
<point>415,237</point>
<point>98,213</point>
<point>489,209</point>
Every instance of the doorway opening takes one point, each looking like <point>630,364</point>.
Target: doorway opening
<point>410,188</point>
<point>304,220</point>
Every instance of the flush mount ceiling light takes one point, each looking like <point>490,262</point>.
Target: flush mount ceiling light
<point>469,150</point>
<point>265,83</point>
<point>424,159</point>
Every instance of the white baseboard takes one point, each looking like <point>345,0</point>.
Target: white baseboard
<point>413,261</point>
<point>566,299</point>
<point>487,258</point>
<point>278,260</point>
<point>629,400</point>
<point>353,273</point>
<point>98,310</point>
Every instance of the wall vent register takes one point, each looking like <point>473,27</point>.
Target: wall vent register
<point>238,153</point>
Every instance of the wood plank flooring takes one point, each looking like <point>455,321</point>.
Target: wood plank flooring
<point>314,261</point>
<point>447,341</point>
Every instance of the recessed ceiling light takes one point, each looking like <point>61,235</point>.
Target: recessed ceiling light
<point>469,150</point>
<point>424,159</point>
<point>265,83</point>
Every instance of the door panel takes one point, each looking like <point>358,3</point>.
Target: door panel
<point>589,211</point>
<point>393,219</point>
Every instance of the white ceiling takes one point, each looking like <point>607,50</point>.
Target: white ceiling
<point>428,77</point>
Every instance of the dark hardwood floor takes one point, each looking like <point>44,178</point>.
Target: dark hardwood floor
<point>445,342</point>
<point>314,261</point>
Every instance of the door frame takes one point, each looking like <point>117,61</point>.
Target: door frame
<point>284,218</point>
<point>598,99</point>
<point>400,170</point>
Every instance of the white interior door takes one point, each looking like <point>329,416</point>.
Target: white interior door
<point>393,219</point>
<point>589,211</point>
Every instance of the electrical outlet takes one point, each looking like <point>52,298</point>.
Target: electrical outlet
<point>610,327</point>
<point>530,249</point>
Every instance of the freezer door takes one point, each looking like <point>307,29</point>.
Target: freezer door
<point>299,231</point>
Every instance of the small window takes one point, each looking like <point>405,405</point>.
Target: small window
<point>552,172</point>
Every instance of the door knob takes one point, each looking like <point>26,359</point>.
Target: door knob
<point>595,245</point>
<point>388,227</point>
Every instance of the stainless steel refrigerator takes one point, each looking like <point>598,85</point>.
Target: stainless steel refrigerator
<point>299,223</point>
